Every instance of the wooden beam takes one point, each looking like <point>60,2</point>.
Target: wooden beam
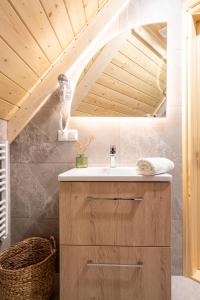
<point>190,4</point>
<point>152,41</point>
<point>41,92</point>
<point>191,137</point>
<point>96,69</point>
<point>195,13</point>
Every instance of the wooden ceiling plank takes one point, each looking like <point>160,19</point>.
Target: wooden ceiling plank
<point>125,89</point>
<point>101,104</point>
<point>139,84</point>
<point>101,3</point>
<point>15,33</point>
<point>13,67</point>
<point>99,111</point>
<point>145,48</point>
<point>89,65</point>
<point>84,112</point>
<point>7,110</point>
<point>138,57</point>
<point>110,94</point>
<point>79,113</point>
<point>35,18</point>
<point>148,57</point>
<point>190,5</point>
<point>91,8</point>
<point>151,39</point>
<point>128,65</point>
<point>96,69</point>
<point>9,90</point>
<point>154,29</point>
<point>157,29</point>
<point>76,14</point>
<point>59,19</point>
<point>40,93</point>
<point>112,105</point>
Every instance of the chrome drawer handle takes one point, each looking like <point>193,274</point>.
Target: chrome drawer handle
<point>115,199</point>
<point>107,265</point>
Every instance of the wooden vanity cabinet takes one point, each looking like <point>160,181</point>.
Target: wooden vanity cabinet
<point>115,240</point>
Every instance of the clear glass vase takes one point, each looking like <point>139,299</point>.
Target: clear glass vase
<point>81,161</point>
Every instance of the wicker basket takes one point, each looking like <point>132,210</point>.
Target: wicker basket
<point>27,270</point>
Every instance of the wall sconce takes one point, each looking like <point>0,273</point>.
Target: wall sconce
<point>65,96</point>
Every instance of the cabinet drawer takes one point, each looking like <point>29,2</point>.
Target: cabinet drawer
<point>115,213</point>
<point>115,273</point>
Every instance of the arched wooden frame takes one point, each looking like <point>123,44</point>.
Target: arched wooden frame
<point>191,140</point>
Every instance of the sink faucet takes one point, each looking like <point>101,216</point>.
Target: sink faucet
<point>113,156</point>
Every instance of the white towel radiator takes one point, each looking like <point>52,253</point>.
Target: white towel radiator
<point>4,189</point>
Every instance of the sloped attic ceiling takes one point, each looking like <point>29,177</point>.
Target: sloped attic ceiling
<point>33,35</point>
<point>34,38</point>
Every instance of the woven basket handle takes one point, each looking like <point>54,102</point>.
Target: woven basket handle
<point>53,243</point>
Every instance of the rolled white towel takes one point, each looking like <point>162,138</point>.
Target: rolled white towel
<point>154,165</point>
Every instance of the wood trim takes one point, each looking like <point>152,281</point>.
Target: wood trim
<point>41,92</point>
<point>191,136</point>
<point>187,242</point>
<point>197,152</point>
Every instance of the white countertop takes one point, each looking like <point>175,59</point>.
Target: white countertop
<point>109,174</point>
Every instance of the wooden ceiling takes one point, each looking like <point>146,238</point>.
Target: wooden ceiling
<point>132,82</point>
<point>33,35</point>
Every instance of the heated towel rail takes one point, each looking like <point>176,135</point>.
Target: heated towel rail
<point>4,189</point>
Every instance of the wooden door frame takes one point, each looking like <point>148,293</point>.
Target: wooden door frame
<point>191,212</point>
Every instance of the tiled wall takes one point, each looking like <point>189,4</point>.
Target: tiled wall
<point>37,158</point>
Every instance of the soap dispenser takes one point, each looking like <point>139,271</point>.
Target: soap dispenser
<point>113,156</point>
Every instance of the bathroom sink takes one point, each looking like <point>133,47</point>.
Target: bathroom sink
<point>109,174</point>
